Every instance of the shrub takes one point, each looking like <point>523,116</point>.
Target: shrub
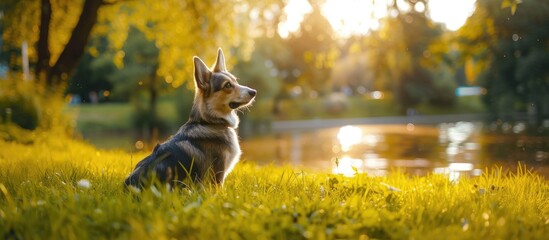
<point>28,105</point>
<point>18,104</point>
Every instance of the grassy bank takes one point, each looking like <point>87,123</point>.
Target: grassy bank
<point>114,116</point>
<point>118,116</point>
<point>361,107</point>
<point>57,188</point>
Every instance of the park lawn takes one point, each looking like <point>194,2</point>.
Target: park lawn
<point>113,116</point>
<point>58,188</point>
<point>101,116</point>
<point>118,116</point>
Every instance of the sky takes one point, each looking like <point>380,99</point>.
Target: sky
<point>352,17</point>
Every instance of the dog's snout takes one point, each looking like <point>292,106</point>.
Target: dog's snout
<point>252,92</point>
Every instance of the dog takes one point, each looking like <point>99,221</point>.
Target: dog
<point>206,147</point>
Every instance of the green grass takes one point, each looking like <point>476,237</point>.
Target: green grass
<point>360,107</point>
<point>464,105</point>
<point>355,107</point>
<point>101,116</point>
<point>114,116</point>
<point>118,116</point>
<point>57,188</point>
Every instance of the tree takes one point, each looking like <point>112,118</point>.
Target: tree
<point>353,69</point>
<point>260,71</point>
<point>510,51</point>
<point>92,73</point>
<point>402,50</point>
<point>60,31</point>
<point>63,33</point>
<point>73,50</point>
<point>138,81</point>
<point>314,51</point>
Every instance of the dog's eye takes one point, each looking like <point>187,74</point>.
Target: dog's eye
<point>228,85</point>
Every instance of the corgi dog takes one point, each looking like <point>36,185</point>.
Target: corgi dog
<point>206,147</point>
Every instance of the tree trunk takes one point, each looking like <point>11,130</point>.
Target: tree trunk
<point>153,91</point>
<point>74,49</point>
<point>42,46</point>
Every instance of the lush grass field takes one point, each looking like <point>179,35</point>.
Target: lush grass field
<point>57,188</point>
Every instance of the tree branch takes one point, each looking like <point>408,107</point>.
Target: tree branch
<point>42,46</point>
<point>74,49</point>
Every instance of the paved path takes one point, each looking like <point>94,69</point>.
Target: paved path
<point>282,126</point>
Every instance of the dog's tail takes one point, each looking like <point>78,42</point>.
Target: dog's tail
<point>141,172</point>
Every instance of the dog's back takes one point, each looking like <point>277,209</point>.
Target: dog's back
<point>196,151</point>
<point>207,145</point>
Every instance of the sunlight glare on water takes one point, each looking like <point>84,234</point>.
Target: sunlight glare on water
<point>372,164</point>
<point>455,150</point>
<point>455,170</point>
<point>363,151</point>
<point>461,166</point>
<point>347,166</point>
<point>349,136</point>
<point>460,147</point>
<point>460,132</point>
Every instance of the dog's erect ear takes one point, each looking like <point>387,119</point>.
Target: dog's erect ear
<point>219,62</point>
<point>201,74</point>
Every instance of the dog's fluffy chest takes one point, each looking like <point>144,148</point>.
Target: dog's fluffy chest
<point>233,153</point>
<point>210,146</point>
<point>227,151</point>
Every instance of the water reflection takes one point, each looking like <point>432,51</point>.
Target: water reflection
<point>349,136</point>
<point>350,166</point>
<point>459,141</point>
<point>453,149</point>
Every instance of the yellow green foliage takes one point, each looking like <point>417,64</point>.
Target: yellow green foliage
<point>180,29</point>
<point>27,105</point>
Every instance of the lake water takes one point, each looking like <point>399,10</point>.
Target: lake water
<point>454,149</point>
